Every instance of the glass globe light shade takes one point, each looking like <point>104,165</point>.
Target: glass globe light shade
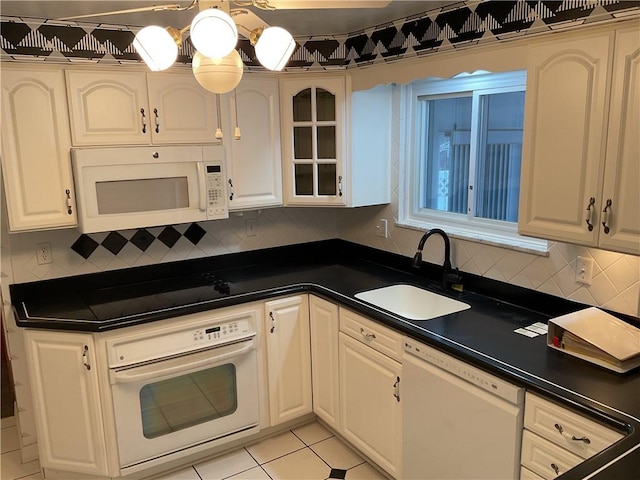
<point>218,75</point>
<point>157,47</point>
<point>274,48</point>
<point>213,33</point>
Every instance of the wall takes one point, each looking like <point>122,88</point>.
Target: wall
<point>273,227</point>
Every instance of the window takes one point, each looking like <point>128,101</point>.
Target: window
<point>463,156</point>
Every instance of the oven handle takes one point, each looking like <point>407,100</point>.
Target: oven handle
<point>129,376</point>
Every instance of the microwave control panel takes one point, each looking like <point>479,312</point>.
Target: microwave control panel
<point>216,198</point>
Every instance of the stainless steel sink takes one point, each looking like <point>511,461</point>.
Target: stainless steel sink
<point>412,302</point>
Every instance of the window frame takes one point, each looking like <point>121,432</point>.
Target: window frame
<point>465,226</point>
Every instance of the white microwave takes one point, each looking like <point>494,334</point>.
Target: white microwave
<point>135,187</point>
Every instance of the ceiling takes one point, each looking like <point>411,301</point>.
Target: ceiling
<point>301,23</point>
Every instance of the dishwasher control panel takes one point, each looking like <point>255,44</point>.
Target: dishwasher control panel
<point>480,378</point>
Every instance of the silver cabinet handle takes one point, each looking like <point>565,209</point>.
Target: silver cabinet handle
<point>143,116</point>
<point>605,216</point>
<point>273,322</point>
<point>85,360</point>
<point>590,209</point>
<point>69,209</point>
<point>368,336</point>
<point>230,189</point>
<point>396,389</point>
<point>584,440</point>
<point>340,185</point>
<point>157,121</point>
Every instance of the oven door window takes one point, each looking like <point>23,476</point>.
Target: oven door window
<point>182,402</point>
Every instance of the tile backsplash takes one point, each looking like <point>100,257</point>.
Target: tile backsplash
<point>615,284</point>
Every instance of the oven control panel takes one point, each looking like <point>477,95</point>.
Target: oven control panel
<point>221,332</point>
<point>195,332</point>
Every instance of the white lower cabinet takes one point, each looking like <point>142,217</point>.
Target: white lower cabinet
<point>556,439</point>
<point>323,316</point>
<point>288,353</point>
<point>370,408</point>
<point>67,401</point>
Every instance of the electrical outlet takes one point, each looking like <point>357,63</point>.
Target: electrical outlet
<point>381,228</point>
<point>584,270</point>
<point>43,253</point>
<point>250,225</point>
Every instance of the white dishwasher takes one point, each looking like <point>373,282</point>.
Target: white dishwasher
<point>459,422</point>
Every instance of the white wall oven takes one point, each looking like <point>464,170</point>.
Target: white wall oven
<point>176,389</point>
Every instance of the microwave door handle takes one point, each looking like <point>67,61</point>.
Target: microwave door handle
<point>202,185</point>
<point>129,376</point>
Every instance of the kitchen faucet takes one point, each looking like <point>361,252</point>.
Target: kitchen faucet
<point>450,278</point>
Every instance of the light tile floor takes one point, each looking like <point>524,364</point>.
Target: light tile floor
<point>310,452</point>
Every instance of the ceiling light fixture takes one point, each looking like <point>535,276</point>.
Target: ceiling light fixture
<point>214,34</point>
<point>274,46</point>
<point>218,75</point>
<point>158,46</point>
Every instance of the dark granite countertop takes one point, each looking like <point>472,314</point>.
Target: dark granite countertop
<point>337,270</point>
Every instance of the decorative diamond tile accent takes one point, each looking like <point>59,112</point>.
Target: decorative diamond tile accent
<point>114,242</point>
<point>338,473</point>
<point>194,233</point>
<point>142,239</point>
<point>169,236</point>
<point>84,246</point>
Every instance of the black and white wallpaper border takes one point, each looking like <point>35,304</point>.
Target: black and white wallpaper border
<point>466,23</point>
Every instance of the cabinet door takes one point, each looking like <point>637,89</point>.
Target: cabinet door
<point>323,317</point>
<point>181,111</point>
<point>36,165</point>
<point>255,160</point>
<point>563,150</point>
<point>370,410</point>
<point>622,167</point>
<point>66,397</point>
<point>288,358</point>
<point>109,108</point>
<point>314,114</point>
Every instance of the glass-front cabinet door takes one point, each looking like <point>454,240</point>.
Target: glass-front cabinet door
<point>313,150</point>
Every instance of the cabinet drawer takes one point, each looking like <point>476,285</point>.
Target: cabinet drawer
<point>371,333</point>
<point>570,430</point>
<point>545,458</point>
<point>526,474</point>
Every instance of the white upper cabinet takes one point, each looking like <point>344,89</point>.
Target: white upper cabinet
<point>579,175</point>
<point>36,165</point>
<point>254,161</point>
<point>620,192</point>
<point>135,108</point>
<point>335,143</point>
<point>314,114</point>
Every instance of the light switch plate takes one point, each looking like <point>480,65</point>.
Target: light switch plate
<point>584,270</point>
<point>381,228</point>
